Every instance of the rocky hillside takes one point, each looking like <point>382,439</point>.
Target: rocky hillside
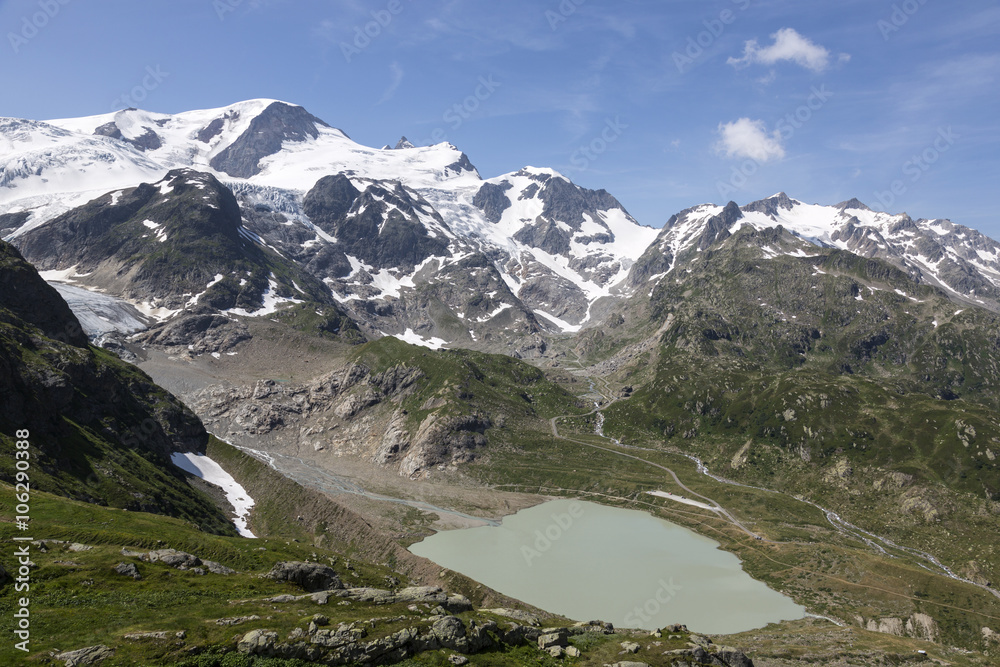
<point>773,321</point>
<point>392,406</point>
<point>101,430</point>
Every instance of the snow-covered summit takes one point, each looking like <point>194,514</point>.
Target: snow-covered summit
<point>958,259</point>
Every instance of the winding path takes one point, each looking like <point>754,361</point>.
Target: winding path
<point>842,526</point>
<point>714,506</point>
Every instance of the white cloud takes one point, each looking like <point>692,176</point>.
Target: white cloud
<point>788,45</point>
<point>397,78</point>
<point>745,138</point>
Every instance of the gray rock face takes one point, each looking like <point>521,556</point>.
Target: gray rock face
<point>383,226</point>
<point>448,440</point>
<point>310,577</point>
<point>11,222</point>
<point>147,141</point>
<point>515,614</point>
<point>267,132</point>
<point>211,131</point>
<point>184,561</point>
<point>143,636</point>
<point>33,300</point>
<point>199,332</point>
<point>330,199</point>
<point>772,205</point>
<point>492,200</point>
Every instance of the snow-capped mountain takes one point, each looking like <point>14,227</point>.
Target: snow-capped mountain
<point>520,253</point>
<point>412,241</point>
<point>959,260</point>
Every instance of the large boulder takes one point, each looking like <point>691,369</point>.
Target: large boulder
<point>258,642</point>
<point>311,577</point>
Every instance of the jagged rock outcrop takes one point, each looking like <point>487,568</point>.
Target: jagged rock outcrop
<point>385,225</point>
<point>346,412</point>
<point>444,440</point>
<point>917,625</point>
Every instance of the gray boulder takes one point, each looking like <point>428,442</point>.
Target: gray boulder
<point>128,570</point>
<point>733,658</point>
<point>173,558</point>
<point>217,568</point>
<point>449,631</point>
<point>86,656</point>
<point>311,577</point>
<point>551,639</point>
<point>258,642</point>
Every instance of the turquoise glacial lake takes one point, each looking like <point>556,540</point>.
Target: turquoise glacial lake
<point>587,561</point>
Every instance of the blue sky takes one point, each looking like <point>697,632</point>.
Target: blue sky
<point>664,103</point>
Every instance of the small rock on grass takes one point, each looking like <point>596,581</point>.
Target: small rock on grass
<point>128,570</point>
<point>630,647</point>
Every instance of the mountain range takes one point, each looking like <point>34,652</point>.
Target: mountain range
<point>837,369</point>
<point>410,241</point>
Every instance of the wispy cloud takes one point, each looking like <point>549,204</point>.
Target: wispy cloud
<point>746,138</point>
<point>397,78</point>
<point>945,84</point>
<point>788,45</point>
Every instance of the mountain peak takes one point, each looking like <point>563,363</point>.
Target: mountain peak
<point>403,143</point>
<point>771,205</point>
<point>268,131</point>
<point>854,204</point>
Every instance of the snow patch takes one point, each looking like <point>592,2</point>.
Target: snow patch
<point>212,472</point>
<point>566,327</point>
<point>413,338</point>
